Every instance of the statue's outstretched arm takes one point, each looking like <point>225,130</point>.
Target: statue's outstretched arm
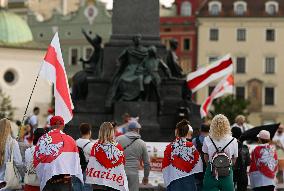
<point>165,68</point>
<point>89,39</point>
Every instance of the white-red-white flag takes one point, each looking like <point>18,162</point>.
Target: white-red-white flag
<point>203,76</point>
<point>56,153</point>
<point>53,70</point>
<point>225,86</point>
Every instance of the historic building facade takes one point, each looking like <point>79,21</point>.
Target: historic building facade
<point>179,22</point>
<point>91,16</point>
<point>253,33</point>
<point>20,63</point>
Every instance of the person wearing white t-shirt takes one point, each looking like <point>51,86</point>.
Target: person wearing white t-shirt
<point>278,140</point>
<point>33,120</point>
<point>85,144</point>
<point>240,122</point>
<point>220,135</point>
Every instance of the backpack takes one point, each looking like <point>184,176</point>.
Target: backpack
<point>83,160</point>
<point>220,161</point>
<point>243,160</point>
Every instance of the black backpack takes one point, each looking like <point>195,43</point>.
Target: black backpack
<point>243,160</point>
<point>220,161</point>
<point>83,160</point>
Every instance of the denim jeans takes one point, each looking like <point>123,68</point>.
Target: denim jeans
<point>79,186</point>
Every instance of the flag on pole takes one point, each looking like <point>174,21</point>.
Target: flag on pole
<point>53,70</point>
<point>225,86</point>
<point>203,76</point>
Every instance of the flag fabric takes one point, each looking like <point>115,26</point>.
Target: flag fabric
<point>203,76</point>
<point>53,70</point>
<point>56,153</point>
<point>225,86</point>
<point>106,166</point>
<point>181,159</point>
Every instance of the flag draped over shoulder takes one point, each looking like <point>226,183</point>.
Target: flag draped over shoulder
<point>56,153</point>
<point>225,86</point>
<point>53,70</point>
<point>181,159</point>
<point>203,76</point>
<point>106,166</point>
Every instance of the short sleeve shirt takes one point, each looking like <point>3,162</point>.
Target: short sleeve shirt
<point>231,150</point>
<point>33,120</point>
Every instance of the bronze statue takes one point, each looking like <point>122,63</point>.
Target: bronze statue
<point>127,83</point>
<point>94,63</point>
<point>172,60</point>
<point>151,77</point>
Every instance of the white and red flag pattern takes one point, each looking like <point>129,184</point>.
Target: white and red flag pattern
<point>56,153</point>
<point>106,166</point>
<point>53,70</point>
<point>203,76</point>
<point>225,86</point>
<point>181,159</point>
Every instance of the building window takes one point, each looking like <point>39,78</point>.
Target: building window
<point>271,7</point>
<point>166,42</point>
<point>269,96</point>
<point>186,8</point>
<point>240,8</point>
<point>214,34</point>
<point>215,7</point>
<point>241,34</point>
<point>212,59</point>
<point>269,65</point>
<point>210,90</point>
<point>186,44</point>
<point>88,53</point>
<point>270,35</point>
<point>74,56</point>
<point>240,92</point>
<point>241,65</point>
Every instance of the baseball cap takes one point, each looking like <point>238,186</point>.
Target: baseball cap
<point>56,120</point>
<point>263,134</point>
<point>134,125</point>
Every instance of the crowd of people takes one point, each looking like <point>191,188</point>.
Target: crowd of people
<point>214,160</point>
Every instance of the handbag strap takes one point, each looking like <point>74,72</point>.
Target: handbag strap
<point>11,151</point>
<point>124,148</point>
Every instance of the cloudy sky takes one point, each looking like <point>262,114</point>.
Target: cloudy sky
<point>164,2</point>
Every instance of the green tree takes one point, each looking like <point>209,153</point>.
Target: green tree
<point>230,107</point>
<point>6,108</point>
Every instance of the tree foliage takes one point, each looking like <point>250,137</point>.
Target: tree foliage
<point>6,108</point>
<point>230,107</point>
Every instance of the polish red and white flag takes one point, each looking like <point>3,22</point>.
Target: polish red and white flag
<point>225,86</point>
<point>53,70</point>
<point>203,76</point>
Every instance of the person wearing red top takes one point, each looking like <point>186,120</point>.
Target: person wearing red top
<point>264,164</point>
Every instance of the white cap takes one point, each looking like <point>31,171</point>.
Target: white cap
<point>263,134</point>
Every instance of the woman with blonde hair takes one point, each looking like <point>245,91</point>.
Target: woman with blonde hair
<point>220,152</point>
<point>7,143</point>
<point>105,170</point>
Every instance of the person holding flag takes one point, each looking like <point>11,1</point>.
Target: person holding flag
<point>56,158</point>
<point>105,170</point>
<point>181,161</point>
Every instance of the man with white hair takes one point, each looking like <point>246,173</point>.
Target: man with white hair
<point>134,149</point>
<point>240,122</point>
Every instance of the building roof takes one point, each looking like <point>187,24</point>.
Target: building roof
<point>255,8</point>
<point>13,29</point>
